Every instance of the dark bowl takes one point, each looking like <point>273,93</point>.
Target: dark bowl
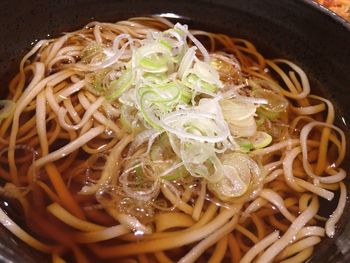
<point>299,30</point>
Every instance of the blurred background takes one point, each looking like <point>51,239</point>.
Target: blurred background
<point>341,7</point>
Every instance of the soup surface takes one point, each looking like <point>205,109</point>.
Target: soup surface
<point>145,141</point>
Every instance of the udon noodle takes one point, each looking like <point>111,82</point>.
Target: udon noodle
<point>143,141</point>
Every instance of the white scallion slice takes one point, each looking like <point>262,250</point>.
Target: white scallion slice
<point>236,110</point>
<point>120,85</point>
<point>245,145</point>
<point>239,171</point>
<point>261,140</point>
<point>128,120</point>
<point>275,103</point>
<point>207,73</point>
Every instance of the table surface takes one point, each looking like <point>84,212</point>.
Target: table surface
<point>341,7</point>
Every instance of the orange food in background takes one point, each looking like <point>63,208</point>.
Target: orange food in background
<point>341,7</point>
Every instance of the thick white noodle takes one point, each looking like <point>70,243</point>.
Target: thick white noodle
<point>87,115</point>
<point>288,169</point>
<point>55,47</point>
<point>21,234</point>
<point>102,235</point>
<point>334,218</point>
<point>70,147</point>
<point>203,245</point>
<point>40,119</point>
<point>293,230</point>
<point>298,246</point>
<point>71,220</point>
<point>310,231</point>
<point>65,93</point>
<point>259,247</point>
<point>71,110</point>
<point>98,115</point>
<point>130,222</point>
<point>277,201</point>
<point>272,176</point>
<point>303,139</point>
<point>111,167</point>
<point>308,110</point>
<point>315,189</point>
<point>304,81</point>
<point>277,146</point>
<point>253,206</point>
<point>51,100</point>
<point>272,166</point>
<point>38,45</point>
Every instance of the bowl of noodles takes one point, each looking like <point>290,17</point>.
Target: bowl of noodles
<point>173,132</point>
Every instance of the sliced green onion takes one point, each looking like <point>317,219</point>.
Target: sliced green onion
<point>239,171</point>
<point>261,139</point>
<point>152,99</point>
<point>276,103</point>
<point>240,116</point>
<point>150,49</point>
<point>208,86</point>
<point>165,43</point>
<point>207,118</point>
<point>128,120</point>
<point>153,57</point>
<point>207,73</point>
<point>97,83</point>
<point>229,187</point>
<point>236,110</point>
<point>186,95</point>
<point>7,107</point>
<point>156,78</point>
<point>186,62</point>
<point>161,148</point>
<point>168,92</point>
<point>120,85</point>
<point>91,51</point>
<point>245,144</point>
<point>192,81</point>
<point>176,174</point>
<point>147,113</point>
<point>154,63</point>
<point>161,99</point>
<point>157,87</point>
<point>271,115</point>
<point>138,174</point>
<point>260,119</point>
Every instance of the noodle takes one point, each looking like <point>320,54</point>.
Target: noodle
<point>334,218</point>
<point>259,247</point>
<point>301,220</point>
<point>210,240</point>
